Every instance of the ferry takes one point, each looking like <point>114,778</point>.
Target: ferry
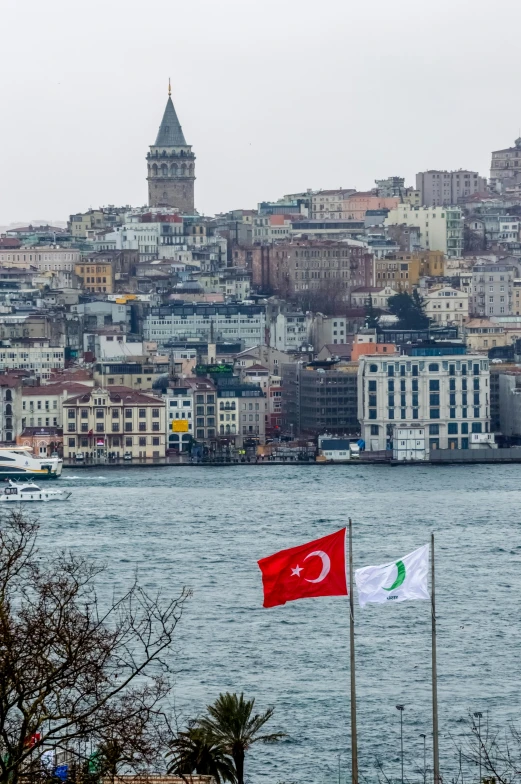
<point>14,492</point>
<point>18,462</point>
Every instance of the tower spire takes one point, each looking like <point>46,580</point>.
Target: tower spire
<point>169,88</point>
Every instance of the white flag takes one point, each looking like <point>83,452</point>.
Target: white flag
<point>395,582</point>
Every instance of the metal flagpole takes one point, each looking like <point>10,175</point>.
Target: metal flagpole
<point>354,742</point>
<point>435,748</point>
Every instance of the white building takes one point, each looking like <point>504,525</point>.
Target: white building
<point>441,228</point>
<point>361,297</point>
<point>328,330</point>
<point>409,443</point>
<point>446,305</point>
<point>45,259</point>
<point>179,417</point>
<point>448,395</point>
<point>38,356</point>
<point>289,331</point>
<point>245,323</point>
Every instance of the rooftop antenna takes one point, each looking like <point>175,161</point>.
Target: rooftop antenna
<point>169,88</point>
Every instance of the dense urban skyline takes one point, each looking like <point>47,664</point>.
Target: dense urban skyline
<point>272,102</point>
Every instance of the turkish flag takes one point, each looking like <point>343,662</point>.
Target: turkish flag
<point>317,568</point>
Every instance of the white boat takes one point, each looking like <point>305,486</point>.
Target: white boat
<point>14,492</point>
<point>18,462</point>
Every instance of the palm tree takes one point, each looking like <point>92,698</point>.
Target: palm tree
<point>232,723</point>
<point>196,750</point>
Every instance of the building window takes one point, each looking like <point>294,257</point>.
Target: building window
<point>72,413</point>
<point>372,415</point>
<point>391,413</point>
<point>128,413</point>
<point>464,427</point>
<point>476,415</point>
<point>155,441</point>
<point>142,426</point>
<point>434,399</point>
<point>84,413</point>
<point>434,413</point>
<point>390,370</point>
<point>72,442</point>
<point>71,428</point>
<point>434,367</point>
<point>128,441</point>
<point>375,430</point>
<point>155,413</point>
<point>371,386</point>
<point>452,428</point>
<point>142,413</point>
<point>128,427</point>
<point>434,430</point>
<point>415,413</point>
<point>142,440</point>
<point>372,401</point>
<point>434,385</point>
<point>452,413</point>
<point>100,414</point>
<point>155,426</point>
<point>477,427</point>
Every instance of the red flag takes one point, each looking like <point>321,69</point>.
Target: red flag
<point>314,569</point>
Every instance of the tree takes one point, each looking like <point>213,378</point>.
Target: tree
<point>196,750</point>
<point>72,670</point>
<point>497,754</point>
<point>329,298</point>
<point>232,723</point>
<point>372,315</point>
<point>409,309</point>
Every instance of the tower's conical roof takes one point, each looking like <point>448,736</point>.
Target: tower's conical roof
<point>170,132</point>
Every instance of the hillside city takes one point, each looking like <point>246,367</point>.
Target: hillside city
<point>387,320</point>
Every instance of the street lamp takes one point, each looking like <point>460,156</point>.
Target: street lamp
<point>401,708</point>
<point>424,736</point>
<point>479,716</point>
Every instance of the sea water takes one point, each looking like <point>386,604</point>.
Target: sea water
<point>206,528</point>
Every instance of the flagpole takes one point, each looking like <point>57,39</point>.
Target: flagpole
<point>354,742</point>
<point>435,748</point>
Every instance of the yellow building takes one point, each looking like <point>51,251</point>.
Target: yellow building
<point>118,420</point>
<point>96,275</point>
<point>404,270</point>
<point>80,223</point>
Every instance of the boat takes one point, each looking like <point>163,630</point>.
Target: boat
<point>15,492</point>
<point>18,462</point>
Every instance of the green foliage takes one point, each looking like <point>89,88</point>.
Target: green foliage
<point>232,723</point>
<point>409,309</point>
<point>195,750</point>
<point>372,316</point>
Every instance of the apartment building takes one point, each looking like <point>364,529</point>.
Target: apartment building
<point>505,167</point>
<point>203,321</point>
<point>446,305</point>
<point>116,420</point>
<point>444,188</point>
<point>10,407</point>
<point>32,354</point>
<point>441,228</point>
<point>492,289</point>
<point>447,394</point>
<point>179,419</point>
<point>44,258</point>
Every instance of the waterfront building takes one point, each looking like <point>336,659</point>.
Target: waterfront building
<point>441,188</point>
<point>179,399</point>
<point>441,228</point>
<point>448,394</point>
<point>117,420</point>
<point>42,406</point>
<point>44,441</point>
<point>237,322</point>
<point>319,397</point>
<point>171,165</point>
<point>409,443</point>
<point>10,406</point>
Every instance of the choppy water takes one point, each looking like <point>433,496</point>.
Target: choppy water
<point>206,528</point>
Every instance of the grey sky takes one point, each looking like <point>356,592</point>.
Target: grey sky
<point>275,96</point>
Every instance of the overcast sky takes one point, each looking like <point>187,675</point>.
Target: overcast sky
<point>275,96</point>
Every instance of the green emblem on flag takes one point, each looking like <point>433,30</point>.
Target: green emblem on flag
<point>400,577</point>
